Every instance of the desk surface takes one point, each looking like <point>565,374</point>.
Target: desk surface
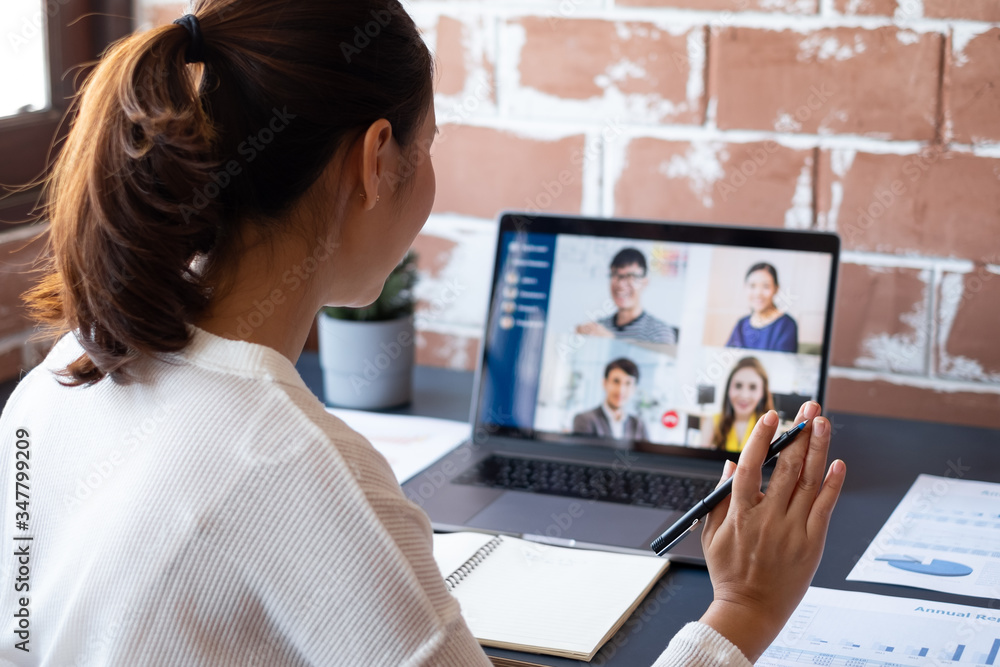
<point>883,456</point>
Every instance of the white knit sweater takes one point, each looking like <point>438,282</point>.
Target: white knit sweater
<point>214,513</point>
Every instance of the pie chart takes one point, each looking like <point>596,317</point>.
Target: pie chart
<point>935,568</point>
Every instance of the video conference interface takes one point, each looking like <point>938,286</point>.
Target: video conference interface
<point>621,340</point>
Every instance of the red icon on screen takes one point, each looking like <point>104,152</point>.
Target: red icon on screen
<point>670,419</point>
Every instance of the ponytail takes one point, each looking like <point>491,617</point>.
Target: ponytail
<point>148,197</point>
<point>121,250</point>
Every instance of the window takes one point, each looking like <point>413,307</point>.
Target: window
<point>43,43</point>
<point>25,86</point>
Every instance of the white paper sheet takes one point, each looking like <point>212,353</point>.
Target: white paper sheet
<point>410,444</point>
<point>860,629</point>
<point>943,536</point>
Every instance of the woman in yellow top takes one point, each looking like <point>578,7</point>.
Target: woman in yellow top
<point>747,397</point>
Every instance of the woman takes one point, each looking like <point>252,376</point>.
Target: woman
<point>766,327</point>
<point>191,502</point>
<point>747,397</point>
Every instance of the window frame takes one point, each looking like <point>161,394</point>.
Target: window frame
<point>78,31</point>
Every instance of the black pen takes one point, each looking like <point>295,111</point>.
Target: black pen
<point>677,532</point>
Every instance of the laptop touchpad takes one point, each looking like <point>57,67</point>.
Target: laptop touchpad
<point>571,518</point>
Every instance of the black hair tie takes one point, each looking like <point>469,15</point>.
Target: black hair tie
<point>195,52</point>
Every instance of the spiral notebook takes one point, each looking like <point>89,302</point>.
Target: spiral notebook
<point>526,596</point>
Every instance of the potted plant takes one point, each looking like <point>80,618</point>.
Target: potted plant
<point>367,353</point>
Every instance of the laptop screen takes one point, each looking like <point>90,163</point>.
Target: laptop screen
<point>653,336</point>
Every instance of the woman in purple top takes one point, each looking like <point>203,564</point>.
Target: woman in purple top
<point>766,327</point>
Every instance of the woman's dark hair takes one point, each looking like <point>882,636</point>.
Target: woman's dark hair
<point>728,414</point>
<point>166,161</point>
<point>623,364</point>
<point>764,266</point>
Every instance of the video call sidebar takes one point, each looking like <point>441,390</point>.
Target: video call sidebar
<point>517,328</point>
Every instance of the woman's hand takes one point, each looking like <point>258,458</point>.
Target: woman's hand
<point>763,549</point>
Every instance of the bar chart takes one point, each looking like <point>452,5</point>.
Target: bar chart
<point>862,630</point>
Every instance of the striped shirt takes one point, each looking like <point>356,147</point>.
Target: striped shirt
<point>645,328</point>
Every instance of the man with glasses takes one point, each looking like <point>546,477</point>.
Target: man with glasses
<point>628,282</point>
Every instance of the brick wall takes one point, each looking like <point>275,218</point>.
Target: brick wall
<point>877,119</point>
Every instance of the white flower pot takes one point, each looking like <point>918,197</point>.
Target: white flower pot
<point>366,365</point>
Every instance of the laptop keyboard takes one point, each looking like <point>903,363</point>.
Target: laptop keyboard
<point>627,487</point>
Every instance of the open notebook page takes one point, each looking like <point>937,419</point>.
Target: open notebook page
<point>535,597</point>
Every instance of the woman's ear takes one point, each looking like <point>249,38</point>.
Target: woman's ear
<point>376,151</point>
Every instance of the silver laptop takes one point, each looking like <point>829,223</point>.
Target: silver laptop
<point>622,362</point>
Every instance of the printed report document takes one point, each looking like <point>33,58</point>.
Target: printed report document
<point>832,627</point>
<point>943,536</point>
